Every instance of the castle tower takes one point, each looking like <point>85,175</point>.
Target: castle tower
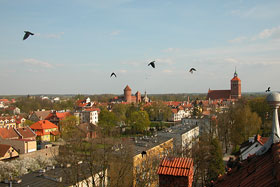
<point>127,94</point>
<point>235,87</point>
<point>138,97</point>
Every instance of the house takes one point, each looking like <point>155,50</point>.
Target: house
<point>55,117</point>
<point>263,168</point>
<point>39,115</point>
<point>84,103</point>
<point>175,172</point>
<point>21,139</point>
<point>251,146</point>
<point>255,171</point>
<point>184,136</point>
<point>89,130</point>
<point>88,115</point>
<point>178,113</point>
<point>45,130</point>
<point>7,151</point>
<point>7,122</point>
<point>63,175</point>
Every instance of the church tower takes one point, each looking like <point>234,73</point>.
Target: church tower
<point>235,87</point>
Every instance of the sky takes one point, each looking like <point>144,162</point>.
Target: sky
<point>79,43</point>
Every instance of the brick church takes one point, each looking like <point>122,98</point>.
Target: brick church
<point>232,94</point>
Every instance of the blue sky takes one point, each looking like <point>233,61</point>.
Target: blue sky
<point>78,43</point>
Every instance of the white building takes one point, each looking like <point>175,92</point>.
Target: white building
<point>251,146</point>
<point>179,113</point>
<point>89,115</point>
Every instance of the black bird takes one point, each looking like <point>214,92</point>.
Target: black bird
<point>113,74</point>
<point>143,153</point>
<point>192,70</point>
<point>152,64</point>
<point>268,89</point>
<point>27,34</point>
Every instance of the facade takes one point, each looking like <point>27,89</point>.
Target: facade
<point>7,151</point>
<point>232,94</point>
<point>45,130</point>
<point>21,139</point>
<point>178,113</point>
<point>175,172</point>
<point>183,136</point>
<point>143,162</point>
<point>89,115</point>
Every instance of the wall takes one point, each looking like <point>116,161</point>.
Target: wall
<point>146,164</point>
<point>20,145</point>
<point>48,153</point>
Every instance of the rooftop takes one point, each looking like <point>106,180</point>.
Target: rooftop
<point>255,171</point>
<point>176,166</point>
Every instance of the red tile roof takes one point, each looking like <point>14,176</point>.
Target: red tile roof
<point>176,167</point>
<point>8,133</point>
<point>127,88</point>
<point>255,171</point>
<point>42,114</point>
<point>218,94</point>
<point>4,149</point>
<point>60,115</point>
<point>43,124</point>
<point>92,109</point>
<point>235,79</point>
<point>261,140</point>
<point>26,133</point>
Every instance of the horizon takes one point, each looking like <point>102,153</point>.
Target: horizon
<point>78,44</point>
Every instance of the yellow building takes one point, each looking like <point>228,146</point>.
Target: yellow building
<point>145,163</point>
<point>45,130</point>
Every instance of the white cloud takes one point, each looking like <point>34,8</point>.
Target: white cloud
<point>115,33</point>
<point>123,71</point>
<point>165,61</point>
<point>238,39</point>
<point>38,63</point>
<point>50,35</point>
<point>273,33</point>
<point>167,71</point>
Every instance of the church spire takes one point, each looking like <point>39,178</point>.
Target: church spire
<point>235,74</point>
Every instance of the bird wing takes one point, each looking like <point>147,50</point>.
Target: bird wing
<point>25,36</point>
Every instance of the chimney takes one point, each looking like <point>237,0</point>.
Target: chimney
<point>273,100</point>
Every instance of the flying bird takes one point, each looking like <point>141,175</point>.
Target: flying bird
<point>268,89</point>
<point>27,34</point>
<point>152,64</point>
<point>113,74</point>
<point>192,70</point>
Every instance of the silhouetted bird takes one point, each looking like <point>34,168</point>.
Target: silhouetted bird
<point>27,34</point>
<point>152,64</point>
<point>268,89</point>
<point>113,74</point>
<point>192,70</point>
<point>143,153</point>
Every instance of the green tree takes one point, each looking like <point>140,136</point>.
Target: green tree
<point>216,165</point>
<point>120,110</point>
<point>68,128</point>
<point>107,121</point>
<point>139,121</point>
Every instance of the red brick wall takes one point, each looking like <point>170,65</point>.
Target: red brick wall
<point>173,181</point>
